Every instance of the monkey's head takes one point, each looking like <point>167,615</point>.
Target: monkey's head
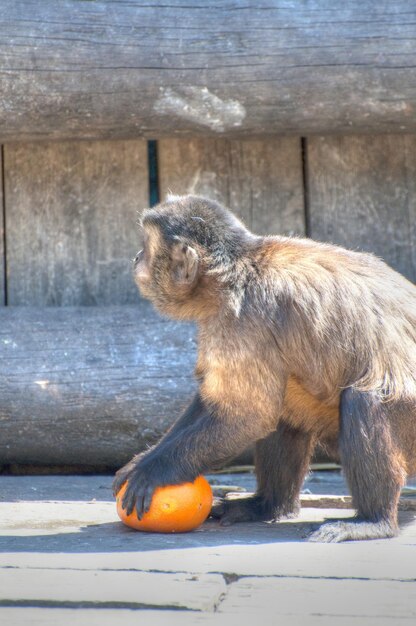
<point>190,243</point>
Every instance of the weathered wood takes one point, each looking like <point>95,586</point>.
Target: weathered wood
<point>362,194</point>
<point>89,386</point>
<point>315,501</point>
<point>2,259</point>
<point>310,501</point>
<point>260,180</point>
<point>79,69</point>
<point>71,211</point>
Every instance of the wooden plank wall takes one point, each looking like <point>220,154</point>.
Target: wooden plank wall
<point>362,194</point>
<point>260,180</point>
<point>71,207</point>
<point>71,221</point>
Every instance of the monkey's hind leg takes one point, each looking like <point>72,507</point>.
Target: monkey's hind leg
<point>282,462</point>
<point>372,468</point>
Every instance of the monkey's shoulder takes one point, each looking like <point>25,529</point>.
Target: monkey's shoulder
<point>292,264</point>
<point>302,252</point>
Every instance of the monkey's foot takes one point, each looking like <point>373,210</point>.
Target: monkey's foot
<point>357,530</point>
<point>248,509</point>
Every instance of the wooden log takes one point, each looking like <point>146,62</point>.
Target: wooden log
<point>89,386</point>
<point>261,181</point>
<point>112,69</point>
<point>361,194</point>
<point>71,211</point>
<point>314,501</point>
<point>318,501</point>
<point>2,238</point>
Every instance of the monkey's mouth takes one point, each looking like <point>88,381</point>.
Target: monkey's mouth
<point>140,269</point>
<point>141,277</point>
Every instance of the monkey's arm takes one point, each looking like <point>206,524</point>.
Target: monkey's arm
<point>193,412</point>
<point>200,440</point>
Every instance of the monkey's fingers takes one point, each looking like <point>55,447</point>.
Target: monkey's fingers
<point>143,500</point>
<point>147,498</point>
<point>224,513</point>
<point>230,517</point>
<point>140,498</point>
<point>138,495</point>
<point>330,533</point>
<point>247,509</point>
<point>218,508</point>
<point>139,507</point>
<point>118,482</point>
<point>133,495</point>
<point>355,530</point>
<point>122,476</point>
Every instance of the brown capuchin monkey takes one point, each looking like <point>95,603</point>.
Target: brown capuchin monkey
<point>299,342</point>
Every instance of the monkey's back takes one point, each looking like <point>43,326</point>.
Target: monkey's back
<point>345,315</point>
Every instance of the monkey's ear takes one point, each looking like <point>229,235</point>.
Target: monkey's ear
<point>185,263</point>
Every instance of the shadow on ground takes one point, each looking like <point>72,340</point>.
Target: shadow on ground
<point>115,537</point>
<point>76,514</point>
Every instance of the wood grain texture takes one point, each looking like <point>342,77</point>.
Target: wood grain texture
<point>71,213</point>
<point>89,386</point>
<point>2,252</point>
<point>118,69</point>
<point>260,180</point>
<point>362,194</point>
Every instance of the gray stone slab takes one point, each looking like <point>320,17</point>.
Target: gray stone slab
<point>359,599</point>
<point>71,550</point>
<point>376,560</point>
<point>70,487</point>
<point>84,535</point>
<point>128,617</point>
<point>39,587</point>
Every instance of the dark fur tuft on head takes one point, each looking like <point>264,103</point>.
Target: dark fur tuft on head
<point>198,220</point>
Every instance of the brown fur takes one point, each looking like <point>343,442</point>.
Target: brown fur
<point>285,327</point>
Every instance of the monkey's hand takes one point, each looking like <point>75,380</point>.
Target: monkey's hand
<point>144,473</point>
<point>124,472</point>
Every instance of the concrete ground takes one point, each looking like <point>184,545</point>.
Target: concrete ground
<point>66,559</point>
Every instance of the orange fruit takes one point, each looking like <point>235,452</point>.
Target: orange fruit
<point>174,508</point>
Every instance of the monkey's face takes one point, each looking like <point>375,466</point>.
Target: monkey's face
<point>147,263</point>
<point>142,265</point>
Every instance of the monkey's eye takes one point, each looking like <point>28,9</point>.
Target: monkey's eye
<point>138,256</point>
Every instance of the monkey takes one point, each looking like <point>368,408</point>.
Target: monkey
<point>299,343</point>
